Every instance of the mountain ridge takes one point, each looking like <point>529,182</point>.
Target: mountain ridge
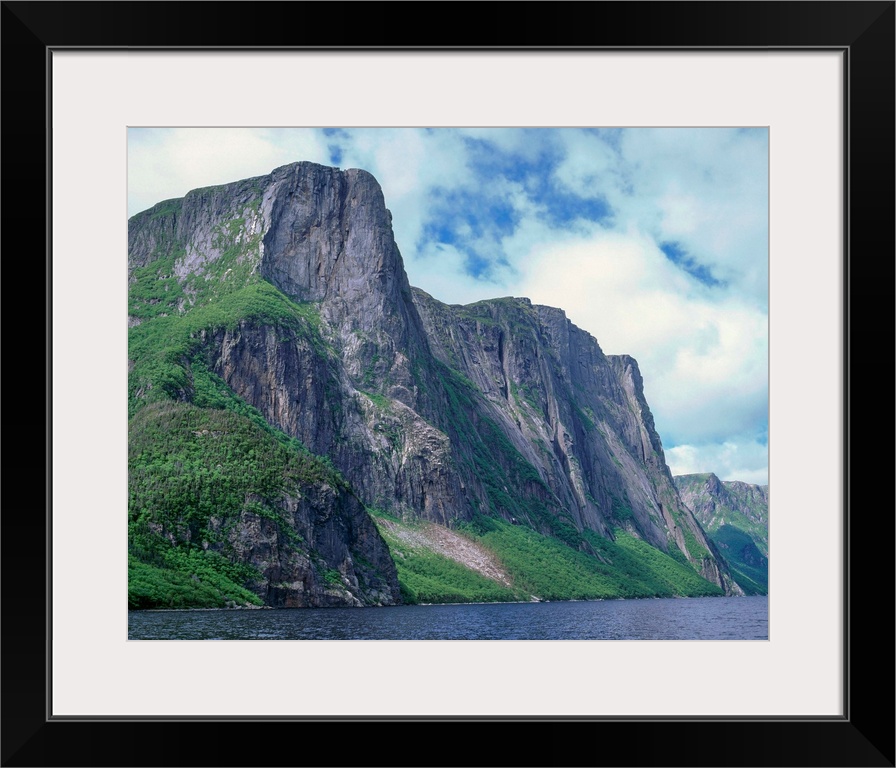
<point>293,304</point>
<point>735,516</point>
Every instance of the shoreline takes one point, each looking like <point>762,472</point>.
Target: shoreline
<point>412,605</point>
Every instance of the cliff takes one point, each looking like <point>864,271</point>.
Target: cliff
<point>284,299</point>
<point>735,515</point>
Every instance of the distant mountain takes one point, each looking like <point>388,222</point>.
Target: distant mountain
<point>297,408</point>
<point>735,515</point>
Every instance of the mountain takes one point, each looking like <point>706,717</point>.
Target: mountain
<point>299,413</point>
<point>735,515</point>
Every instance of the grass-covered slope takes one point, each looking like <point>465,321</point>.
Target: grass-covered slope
<point>551,570</point>
<point>527,565</point>
<point>735,517</point>
<point>748,565</point>
<point>436,565</point>
<point>166,360</point>
<point>186,579</point>
<point>194,474</point>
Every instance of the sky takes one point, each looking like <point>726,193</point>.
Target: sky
<point>654,240</point>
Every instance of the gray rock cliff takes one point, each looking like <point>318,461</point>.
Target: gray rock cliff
<point>735,516</point>
<point>433,411</point>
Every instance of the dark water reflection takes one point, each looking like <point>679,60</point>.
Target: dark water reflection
<point>708,618</point>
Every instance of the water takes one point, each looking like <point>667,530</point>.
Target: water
<point>706,618</point>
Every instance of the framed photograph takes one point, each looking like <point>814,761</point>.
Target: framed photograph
<point>816,78</point>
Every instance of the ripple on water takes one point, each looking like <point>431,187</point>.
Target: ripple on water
<point>710,618</point>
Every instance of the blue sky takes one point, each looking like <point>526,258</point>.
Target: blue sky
<point>655,240</point>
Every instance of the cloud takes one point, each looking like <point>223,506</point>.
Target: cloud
<point>705,189</point>
<point>577,219</point>
<point>169,162</point>
<point>441,271</point>
<point>745,460</point>
<point>410,164</point>
<point>704,359</point>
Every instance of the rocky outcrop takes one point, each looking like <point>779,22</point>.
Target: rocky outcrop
<point>576,416</point>
<point>340,560</point>
<point>395,459</point>
<point>501,408</point>
<point>716,503</point>
<point>215,485</point>
<point>735,516</point>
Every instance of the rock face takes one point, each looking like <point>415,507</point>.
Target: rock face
<point>223,490</point>
<point>329,240</point>
<point>500,408</point>
<point>333,526</point>
<point>735,515</point>
<point>556,404</point>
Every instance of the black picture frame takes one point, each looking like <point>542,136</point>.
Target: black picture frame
<point>863,736</point>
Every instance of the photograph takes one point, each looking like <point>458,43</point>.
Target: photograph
<point>457,383</point>
<point>394,355</point>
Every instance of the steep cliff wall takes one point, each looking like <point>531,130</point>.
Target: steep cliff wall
<point>500,408</point>
<point>735,516</point>
<point>577,416</point>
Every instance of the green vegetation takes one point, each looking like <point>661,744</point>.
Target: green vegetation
<point>560,565</point>
<point>332,577</point>
<point>539,566</point>
<point>496,462</point>
<point>193,583</point>
<point>155,290</point>
<point>586,416</point>
<point>166,208</point>
<point>519,317</point>
<point>747,563</point>
<point>188,464</point>
<point>637,557</point>
<point>200,456</point>
<point>236,266</point>
<point>695,549</point>
<point>550,569</point>
<point>428,577</point>
<point>379,401</point>
<point>528,393</point>
<point>676,554</point>
<point>737,505</point>
<point>202,460</point>
<point>164,350</point>
<point>622,510</point>
<point>193,472</point>
<point>737,523</point>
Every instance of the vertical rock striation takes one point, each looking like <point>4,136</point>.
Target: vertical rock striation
<point>433,411</point>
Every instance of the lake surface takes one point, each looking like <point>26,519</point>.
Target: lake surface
<point>700,618</point>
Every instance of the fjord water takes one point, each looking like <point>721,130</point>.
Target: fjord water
<point>706,618</point>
